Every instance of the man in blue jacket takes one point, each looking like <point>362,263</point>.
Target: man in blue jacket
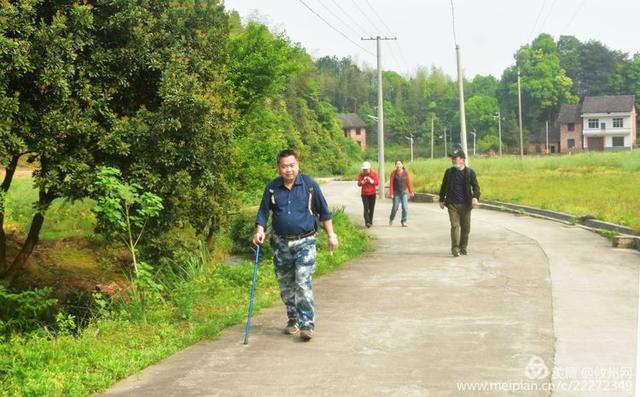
<point>295,200</point>
<point>460,193</point>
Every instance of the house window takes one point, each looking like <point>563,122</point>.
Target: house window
<point>593,123</point>
<point>359,131</point>
<point>618,123</point>
<point>571,127</point>
<point>346,133</point>
<point>603,126</point>
<point>571,143</point>
<point>617,141</point>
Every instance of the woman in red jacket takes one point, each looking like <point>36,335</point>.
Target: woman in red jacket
<point>400,190</point>
<point>368,180</point>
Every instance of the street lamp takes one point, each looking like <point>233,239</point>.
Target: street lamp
<point>411,139</point>
<point>474,141</point>
<point>499,117</point>
<point>445,143</point>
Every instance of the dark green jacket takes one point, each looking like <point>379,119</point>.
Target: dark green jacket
<point>471,185</point>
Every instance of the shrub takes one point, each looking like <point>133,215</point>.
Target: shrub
<point>25,311</point>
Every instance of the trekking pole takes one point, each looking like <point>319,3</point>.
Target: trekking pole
<point>247,328</point>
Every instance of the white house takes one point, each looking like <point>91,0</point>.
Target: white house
<point>609,122</point>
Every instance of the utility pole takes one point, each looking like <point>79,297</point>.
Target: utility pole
<point>546,127</point>
<point>499,134</point>
<point>445,142</point>
<point>463,121</point>
<point>411,139</point>
<point>380,114</point>
<point>520,116</point>
<point>431,137</point>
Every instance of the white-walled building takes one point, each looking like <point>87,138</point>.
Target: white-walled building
<point>609,122</point>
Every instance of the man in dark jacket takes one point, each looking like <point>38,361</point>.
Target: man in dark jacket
<point>460,193</point>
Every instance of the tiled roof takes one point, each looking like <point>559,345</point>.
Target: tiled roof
<point>569,113</point>
<point>608,104</point>
<point>351,120</point>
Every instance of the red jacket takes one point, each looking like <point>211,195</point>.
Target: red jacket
<point>368,187</point>
<point>393,174</point>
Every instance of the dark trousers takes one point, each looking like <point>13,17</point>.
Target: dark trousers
<point>460,218</point>
<point>369,203</point>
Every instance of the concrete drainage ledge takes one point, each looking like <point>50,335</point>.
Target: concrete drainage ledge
<point>621,236</point>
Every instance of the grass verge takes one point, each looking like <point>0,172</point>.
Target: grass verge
<point>202,301</point>
<point>604,185</point>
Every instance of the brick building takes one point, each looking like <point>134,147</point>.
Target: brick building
<point>353,127</point>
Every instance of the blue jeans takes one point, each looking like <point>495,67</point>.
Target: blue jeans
<point>397,199</point>
<point>295,263</point>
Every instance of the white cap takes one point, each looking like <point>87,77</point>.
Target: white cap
<point>366,165</point>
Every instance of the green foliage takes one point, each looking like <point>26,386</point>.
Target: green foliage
<point>65,218</point>
<point>25,311</point>
<point>259,64</point>
<point>276,85</point>
<point>544,82</point>
<point>123,209</point>
<point>199,301</point>
<point>481,112</point>
<point>488,143</point>
<point>241,230</point>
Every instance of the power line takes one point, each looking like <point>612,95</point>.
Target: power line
<point>378,16</point>
<point>366,17</point>
<point>338,18</point>
<point>336,29</point>
<point>544,21</point>
<point>404,60</point>
<point>535,24</point>
<point>355,21</point>
<point>393,54</point>
<point>575,14</point>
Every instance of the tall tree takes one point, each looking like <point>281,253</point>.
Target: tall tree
<point>137,84</point>
<point>545,84</point>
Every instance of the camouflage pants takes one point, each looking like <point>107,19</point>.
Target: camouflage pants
<point>295,263</point>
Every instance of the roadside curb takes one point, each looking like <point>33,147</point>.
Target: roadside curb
<point>624,236</point>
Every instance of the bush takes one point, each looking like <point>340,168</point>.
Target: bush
<point>25,311</point>
<point>241,230</point>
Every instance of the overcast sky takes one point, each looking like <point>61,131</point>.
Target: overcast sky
<point>488,31</point>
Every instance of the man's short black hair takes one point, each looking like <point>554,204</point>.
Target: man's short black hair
<point>286,153</point>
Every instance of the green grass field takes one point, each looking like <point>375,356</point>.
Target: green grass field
<point>63,219</point>
<point>605,185</point>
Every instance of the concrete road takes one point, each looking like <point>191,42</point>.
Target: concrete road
<point>535,305</point>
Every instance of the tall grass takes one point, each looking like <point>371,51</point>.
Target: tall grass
<point>605,185</point>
